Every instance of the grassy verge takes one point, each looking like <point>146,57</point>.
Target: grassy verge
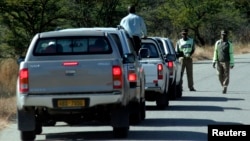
<point>9,71</point>
<point>8,111</point>
<point>8,75</point>
<point>207,52</point>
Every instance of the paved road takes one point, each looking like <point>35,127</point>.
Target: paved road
<point>185,119</point>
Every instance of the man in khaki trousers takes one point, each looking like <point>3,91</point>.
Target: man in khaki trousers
<point>223,56</point>
<point>185,48</point>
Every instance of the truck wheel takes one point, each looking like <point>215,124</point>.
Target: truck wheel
<point>161,101</point>
<point>28,135</point>
<point>120,121</point>
<point>143,110</point>
<point>172,91</point>
<point>120,132</point>
<point>179,91</point>
<point>38,129</point>
<point>135,118</point>
<point>135,113</point>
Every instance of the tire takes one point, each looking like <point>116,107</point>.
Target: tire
<point>120,132</point>
<point>162,101</point>
<point>135,113</point>
<point>179,91</point>
<point>38,129</point>
<point>173,91</point>
<point>136,118</point>
<point>167,99</point>
<point>143,110</point>
<point>143,102</point>
<point>28,135</point>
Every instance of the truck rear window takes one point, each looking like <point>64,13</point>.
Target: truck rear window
<point>153,53</point>
<point>72,45</point>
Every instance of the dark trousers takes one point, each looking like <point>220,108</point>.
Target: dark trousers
<point>137,41</point>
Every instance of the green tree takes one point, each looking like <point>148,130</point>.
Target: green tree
<point>90,13</point>
<point>25,18</point>
<point>203,17</point>
<point>20,20</point>
<point>243,32</point>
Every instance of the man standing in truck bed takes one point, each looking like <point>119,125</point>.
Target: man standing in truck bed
<point>135,25</point>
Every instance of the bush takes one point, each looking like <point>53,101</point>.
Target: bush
<point>8,77</point>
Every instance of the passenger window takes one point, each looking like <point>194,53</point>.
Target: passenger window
<point>118,43</point>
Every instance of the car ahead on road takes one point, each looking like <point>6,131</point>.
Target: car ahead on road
<point>156,72</point>
<point>75,76</point>
<point>167,47</point>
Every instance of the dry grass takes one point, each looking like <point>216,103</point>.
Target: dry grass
<point>206,53</point>
<point>8,75</point>
<point>203,53</point>
<point>9,71</point>
<point>8,111</point>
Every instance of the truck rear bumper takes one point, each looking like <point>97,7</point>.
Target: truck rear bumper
<point>47,100</point>
<point>153,89</point>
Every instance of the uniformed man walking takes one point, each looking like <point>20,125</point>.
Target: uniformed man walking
<point>223,56</point>
<point>185,48</point>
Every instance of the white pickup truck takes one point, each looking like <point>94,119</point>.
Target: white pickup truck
<point>74,76</point>
<point>174,66</point>
<point>156,72</point>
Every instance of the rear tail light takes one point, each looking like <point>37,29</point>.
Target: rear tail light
<point>160,71</point>
<point>24,80</point>
<point>117,77</point>
<point>170,66</point>
<point>132,77</point>
<point>73,63</point>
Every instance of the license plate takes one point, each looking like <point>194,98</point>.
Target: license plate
<point>71,103</point>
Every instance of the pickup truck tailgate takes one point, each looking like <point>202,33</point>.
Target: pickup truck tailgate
<point>150,69</point>
<point>70,76</point>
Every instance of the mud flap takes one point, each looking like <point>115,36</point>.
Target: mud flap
<point>26,120</point>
